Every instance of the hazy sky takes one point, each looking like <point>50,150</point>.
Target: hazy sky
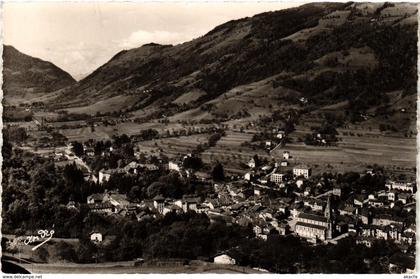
<point>79,37</point>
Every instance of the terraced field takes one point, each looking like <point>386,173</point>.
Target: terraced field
<point>230,153</point>
<point>106,132</point>
<point>228,149</point>
<point>173,147</point>
<point>355,153</point>
<point>357,149</point>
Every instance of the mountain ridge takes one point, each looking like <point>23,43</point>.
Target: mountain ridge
<point>325,52</point>
<point>26,75</point>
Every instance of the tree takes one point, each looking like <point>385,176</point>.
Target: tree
<point>134,193</point>
<point>99,147</point>
<point>218,172</point>
<point>77,148</point>
<point>257,160</point>
<point>74,181</point>
<point>128,150</point>
<point>120,140</point>
<point>213,139</point>
<point>193,162</point>
<point>155,189</point>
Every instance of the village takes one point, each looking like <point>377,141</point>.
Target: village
<point>274,193</point>
<point>265,138</point>
<point>274,198</point>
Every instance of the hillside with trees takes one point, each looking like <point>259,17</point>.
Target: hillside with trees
<point>326,53</point>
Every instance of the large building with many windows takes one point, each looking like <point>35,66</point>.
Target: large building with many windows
<point>400,185</point>
<point>276,178</point>
<point>311,231</point>
<point>302,170</point>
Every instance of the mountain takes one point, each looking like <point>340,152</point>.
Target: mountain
<point>26,77</point>
<point>354,54</point>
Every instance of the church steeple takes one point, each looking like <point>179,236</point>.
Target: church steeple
<point>327,212</point>
<point>327,215</point>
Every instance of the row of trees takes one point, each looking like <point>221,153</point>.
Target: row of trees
<point>192,236</point>
<point>187,236</point>
<point>292,255</point>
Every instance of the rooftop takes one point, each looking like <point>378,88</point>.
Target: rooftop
<point>159,198</point>
<point>313,217</point>
<point>104,205</point>
<point>310,226</point>
<point>302,167</point>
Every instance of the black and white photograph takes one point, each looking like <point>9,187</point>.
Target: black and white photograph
<point>209,138</point>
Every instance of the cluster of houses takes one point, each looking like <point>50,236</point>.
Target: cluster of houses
<point>311,209</point>
<point>131,168</point>
<point>277,136</point>
<point>277,174</point>
<point>386,214</point>
<point>109,202</point>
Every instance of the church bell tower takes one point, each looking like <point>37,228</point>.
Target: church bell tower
<point>328,215</point>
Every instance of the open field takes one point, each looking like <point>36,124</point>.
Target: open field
<point>86,133</point>
<point>355,153</point>
<point>228,149</point>
<point>28,125</point>
<point>102,132</point>
<point>230,153</point>
<point>174,146</point>
<point>109,105</point>
<point>28,97</point>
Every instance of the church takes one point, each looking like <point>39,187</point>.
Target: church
<point>315,227</point>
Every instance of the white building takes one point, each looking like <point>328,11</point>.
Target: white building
<point>247,176</point>
<point>159,203</point>
<point>252,164</point>
<point>404,198</point>
<point>104,176</point>
<point>337,191</point>
<point>391,196</point>
<point>280,134</point>
<point>96,237</point>
<point>286,155</point>
<point>95,198</point>
<point>224,259</point>
<point>174,166</point>
<point>299,183</point>
<point>302,170</point>
<point>257,229</point>
<point>277,178</point>
<point>284,163</point>
<point>400,185</point>
<point>187,205</point>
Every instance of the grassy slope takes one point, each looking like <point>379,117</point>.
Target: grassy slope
<point>28,78</point>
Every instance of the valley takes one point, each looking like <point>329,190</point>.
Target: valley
<point>273,143</point>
